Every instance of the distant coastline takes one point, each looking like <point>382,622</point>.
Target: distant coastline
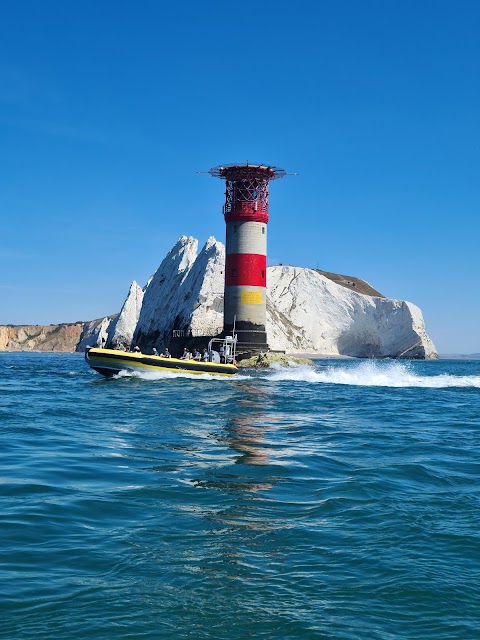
<point>459,356</point>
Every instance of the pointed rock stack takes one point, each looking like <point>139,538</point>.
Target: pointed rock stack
<point>122,328</point>
<point>185,296</point>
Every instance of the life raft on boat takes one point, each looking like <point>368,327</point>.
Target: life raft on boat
<point>109,362</point>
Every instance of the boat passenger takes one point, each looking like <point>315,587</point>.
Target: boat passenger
<point>167,354</point>
<point>155,352</point>
<point>136,349</point>
<point>205,357</point>
<point>196,355</point>
<point>222,354</point>
<point>185,355</point>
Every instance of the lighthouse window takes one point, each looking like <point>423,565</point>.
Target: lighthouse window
<point>234,273</point>
<point>263,230</point>
<point>263,273</point>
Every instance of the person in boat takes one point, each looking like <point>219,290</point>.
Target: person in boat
<point>136,349</point>
<point>196,355</point>
<point>222,354</point>
<point>166,354</point>
<point>185,355</point>
<point>155,352</point>
<point>205,357</point>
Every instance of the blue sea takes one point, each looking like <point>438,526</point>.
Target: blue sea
<point>340,502</point>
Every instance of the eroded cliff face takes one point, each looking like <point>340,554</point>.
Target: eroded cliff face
<point>95,333</point>
<point>120,331</point>
<point>165,293</point>
<point>307,312</point>
<point>185,294</point>
<point>53,337</point>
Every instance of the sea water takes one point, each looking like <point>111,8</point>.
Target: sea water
<point>340,501</point>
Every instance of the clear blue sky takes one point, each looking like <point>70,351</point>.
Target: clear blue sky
<point>108,110</point>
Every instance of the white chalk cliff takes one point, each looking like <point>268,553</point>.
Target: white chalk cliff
<point>186,293</point>
<point>94,334</point>
<point>306,311</point>
<point>164,294</point>
<point>122,328</point>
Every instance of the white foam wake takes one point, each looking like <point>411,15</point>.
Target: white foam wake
<point>373,374</point>
<point>166,375</point>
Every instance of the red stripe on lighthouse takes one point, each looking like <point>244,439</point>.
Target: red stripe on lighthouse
<point>246,269</point>
<point>248,212</point>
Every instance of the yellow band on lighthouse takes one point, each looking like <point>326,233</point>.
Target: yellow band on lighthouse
<point>251,297</point>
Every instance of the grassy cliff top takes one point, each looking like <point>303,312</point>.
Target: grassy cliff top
<point>352,283</point>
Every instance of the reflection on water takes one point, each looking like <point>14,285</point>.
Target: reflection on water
<point>245,436</point>
<point>246,476</point>
<point>245,430</point>
<point>244,433</point>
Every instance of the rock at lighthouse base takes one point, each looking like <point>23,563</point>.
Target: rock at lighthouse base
<point>265,360</point>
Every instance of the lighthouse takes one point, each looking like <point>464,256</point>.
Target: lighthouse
<point>246,217</point>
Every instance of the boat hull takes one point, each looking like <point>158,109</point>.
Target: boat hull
<point>108,362</point>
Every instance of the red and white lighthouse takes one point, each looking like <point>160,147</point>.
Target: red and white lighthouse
<point>246,216</point>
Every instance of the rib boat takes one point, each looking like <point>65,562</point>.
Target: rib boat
<point>109,362</point>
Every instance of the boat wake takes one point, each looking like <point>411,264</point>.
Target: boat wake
<point>166,375</point>
<point>365,374</point>
<point>372,374</point>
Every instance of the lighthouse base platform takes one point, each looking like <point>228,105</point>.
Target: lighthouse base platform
<point>251,337</point>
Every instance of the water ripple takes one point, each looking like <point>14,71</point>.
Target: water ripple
<point>340,502</point>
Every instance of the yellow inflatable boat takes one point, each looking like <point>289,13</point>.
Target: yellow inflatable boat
<point>108,362</point>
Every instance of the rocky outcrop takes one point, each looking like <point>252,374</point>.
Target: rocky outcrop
<point>308,311</point>
<point>266,360</point>
<point>120,331</point>
<point>202,310</point>
<point>95,333</point>
<point>163,295</point>
<point>185,294</point>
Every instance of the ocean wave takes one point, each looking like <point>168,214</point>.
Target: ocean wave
<point>372,374</point>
